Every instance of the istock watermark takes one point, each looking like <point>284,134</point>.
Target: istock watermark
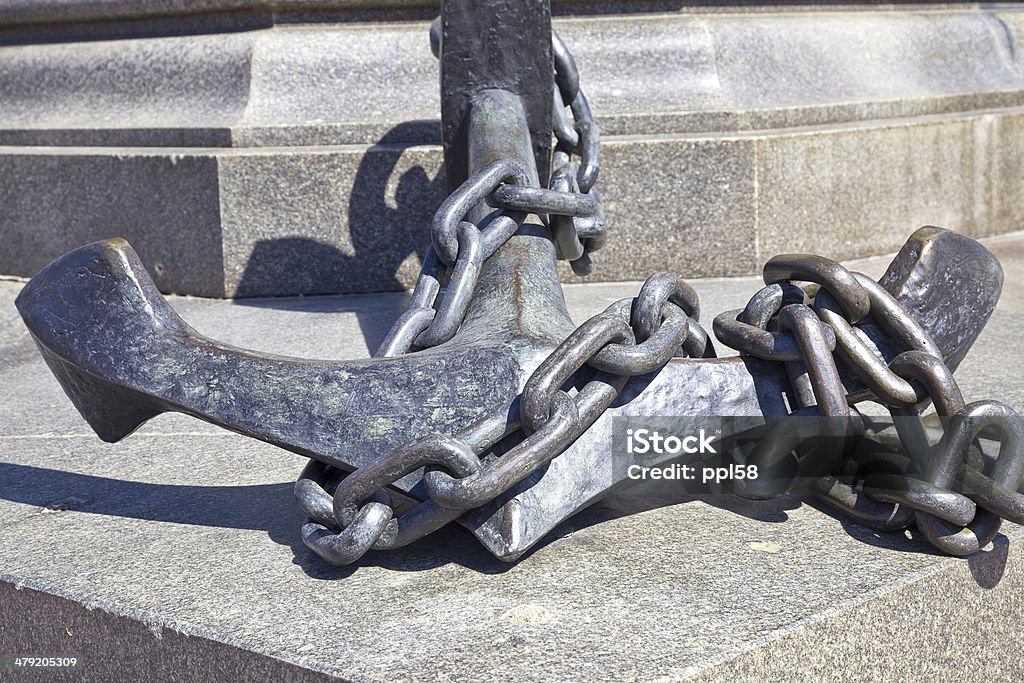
<point>651,441</point>
<point>645,441</point>
<point>712,454</point>
<point>762,458</point>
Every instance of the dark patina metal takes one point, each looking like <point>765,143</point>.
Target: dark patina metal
<point>485,404</point>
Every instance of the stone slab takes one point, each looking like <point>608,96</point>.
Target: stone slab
<point>193,534</point>
<point>853,189</point>
<point>314,220</point>
<point>333,83</point>
<point>166,204</point>
<point>324,220</point>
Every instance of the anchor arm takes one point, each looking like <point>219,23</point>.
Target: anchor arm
<point>123,356</point>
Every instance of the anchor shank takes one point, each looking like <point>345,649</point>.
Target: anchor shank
<point>495,45</point>
<point>498,130</point>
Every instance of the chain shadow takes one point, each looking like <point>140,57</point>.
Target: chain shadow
<point>654,495</point>
<point>987,566</point>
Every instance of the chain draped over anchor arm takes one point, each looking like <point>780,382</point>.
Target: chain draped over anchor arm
<point>956,499</point>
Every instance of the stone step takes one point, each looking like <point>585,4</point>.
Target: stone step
<point>286,158</point>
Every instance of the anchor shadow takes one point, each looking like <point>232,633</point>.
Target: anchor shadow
<point>269,508</point>
<point>986,566</point>
<point>383,231</point>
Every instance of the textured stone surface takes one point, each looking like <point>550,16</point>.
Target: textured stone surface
<point>284,159</point>
<point>1007,168</point>
<point>315,221</point>
<point>124,648</point>
<point>858,186</point>
<point>857,639</point>
<point>187,529</point>
<point>33,12</point>
<point>684,205</point>
<point>166,205</point>
<point>329,84</point>
<point>318,220</point>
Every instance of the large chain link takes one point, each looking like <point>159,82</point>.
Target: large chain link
<point>954,492</point>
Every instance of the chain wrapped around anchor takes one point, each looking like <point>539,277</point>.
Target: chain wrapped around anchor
<point>957,496</point>
<point>630,338</point>
<point>486,405</point>
<point>358,516</point>
<point>803,328</point>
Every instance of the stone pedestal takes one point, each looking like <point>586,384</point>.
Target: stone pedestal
<point>253,148</point>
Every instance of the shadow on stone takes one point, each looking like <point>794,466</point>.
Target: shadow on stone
<point>264,507</point>
<point>271,508</point>
<point>383,235</point>
<point>451,544</point>
<point>988,566</point>
<point>384,230</point>
<point>654,495</point>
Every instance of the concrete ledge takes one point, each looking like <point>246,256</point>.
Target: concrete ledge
<point>125,646</point>
<point>34,12</point>
<point>277,221</point>
<point>335,84</point>
<point>43,12</point>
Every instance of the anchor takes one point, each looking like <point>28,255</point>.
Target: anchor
<point>486,405</point>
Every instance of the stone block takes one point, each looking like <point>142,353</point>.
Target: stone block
<point>1006,147</point>
<point>326,220</point>
<point>685,205</point>
<point>856,191</point>
<point>179,546</point>
<point>167,204</point>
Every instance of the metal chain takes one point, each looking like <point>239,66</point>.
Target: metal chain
<point>571,205</point>
<point>351,513</point>
<point>955,494</point>
<point>599,357</point>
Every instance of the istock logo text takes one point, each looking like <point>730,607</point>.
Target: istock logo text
<point>640,441</point>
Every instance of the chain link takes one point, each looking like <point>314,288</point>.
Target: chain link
<point>571,205</point>
<point>953,493</point>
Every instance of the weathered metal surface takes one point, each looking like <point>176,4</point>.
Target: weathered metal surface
<point>486,404</point>
<point>496,45</point>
